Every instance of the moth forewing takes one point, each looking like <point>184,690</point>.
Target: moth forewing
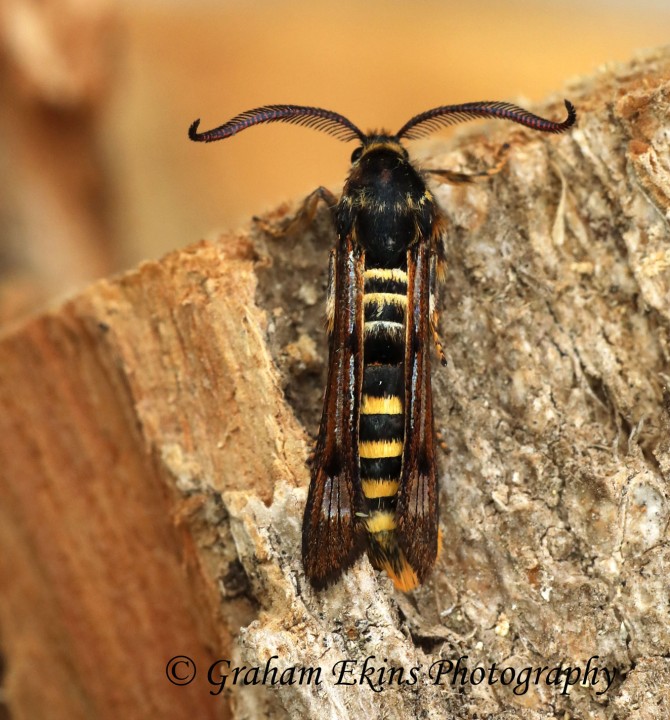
<point>333,532</point>
<point>417,508</point>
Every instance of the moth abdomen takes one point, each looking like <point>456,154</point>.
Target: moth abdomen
<point>382,416</point>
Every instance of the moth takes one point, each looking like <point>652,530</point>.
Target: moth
<point>373,478</point>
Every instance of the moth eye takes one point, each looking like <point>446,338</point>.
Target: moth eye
<point>355,155</point>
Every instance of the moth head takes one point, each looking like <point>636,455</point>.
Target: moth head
<point>379,143</point>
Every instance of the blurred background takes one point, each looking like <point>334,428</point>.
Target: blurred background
<point>96,97</point>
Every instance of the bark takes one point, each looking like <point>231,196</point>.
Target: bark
<point>155,431</point>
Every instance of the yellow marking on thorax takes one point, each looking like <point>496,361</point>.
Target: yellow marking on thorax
<point>373,449</point>
<point>385,298</point>
<point>389,144</point>
<point>386,274</point>
<point>381,522</point>
<point>379,488</point>
<point>381,405</point>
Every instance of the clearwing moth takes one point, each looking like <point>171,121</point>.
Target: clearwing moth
<point>374,482</point>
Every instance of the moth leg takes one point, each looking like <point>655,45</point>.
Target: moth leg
<point>311,202</point>
<point>304,217</point>
<point>437,266</point>
<point>436,337</point>
<point>330,297</point>
<point>456,178</point>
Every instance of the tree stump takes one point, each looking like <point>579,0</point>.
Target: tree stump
<point>155,430</point>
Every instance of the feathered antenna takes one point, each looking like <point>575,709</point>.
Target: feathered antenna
<point>317,118</point>
<point>431,120</point>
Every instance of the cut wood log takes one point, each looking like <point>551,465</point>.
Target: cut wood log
<point>154,433</point>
